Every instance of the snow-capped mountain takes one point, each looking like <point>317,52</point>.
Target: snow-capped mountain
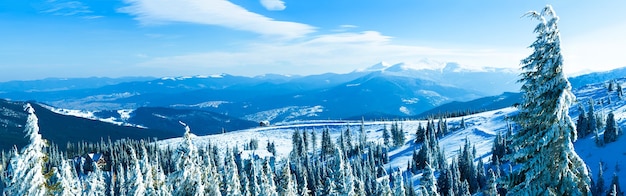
<point>487,80</point>
<point>380,91</point>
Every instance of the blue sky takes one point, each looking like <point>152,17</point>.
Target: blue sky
<point>67,38</point>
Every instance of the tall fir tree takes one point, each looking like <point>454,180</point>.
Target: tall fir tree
<point>386,136</point>
<point>582,123</point>
<point>362,135</point>
<point>186,180</point>
<point>547,162</point>
<point>611,129</point>
<point>599,184</point>
<point>592,123</point>
<point>428,181</point>
<point>26,169</point>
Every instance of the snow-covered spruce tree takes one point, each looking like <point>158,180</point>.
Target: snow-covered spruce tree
<point>69,182</point>
<point>599,185</point>
<point>611,129</point>
<point>428,181</point>
<point>95,182</point>
<point>135,175</point>
<point>546,161</point>
<point>591,118</point>
<point>186,180</point>
<point>26,169</point>
<point>230,182</point>
<point>382,185</point>
<point>582,123</point>
<point>362,135</point>
<point>287,186</point>
<point>615,186</point>
<point>398,184</point>
<point>386,136</point>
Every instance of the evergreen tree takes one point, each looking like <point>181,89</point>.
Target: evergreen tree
<point>398,184</point>
<point>382,186</point>
<point>599,185</point>
<point>95,182</point>
<point>611,130</point>
<point>616,190</point>
<point>386,136</point>
<point>463,126</point>
<point>135,176</point>
<point>491,189</point>
<point>428,181</point>
<point>620,93</point>
<point>582,123</point>
<point>327,144</point>
<point>313,140</point>
<point>499,148</point>
<point>591,118</point>
<point>348,140</point>
<point>69,181</point>
<point>231,182</point>
<point>419,134</point>
<point>186,180</point>
<point>287,186</point>
<point>26,169</point>
<point>121,180</point>
<point>547,161</point>
<point>362,135</point>
<point>267,185</point>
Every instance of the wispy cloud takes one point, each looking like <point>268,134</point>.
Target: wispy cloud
<point>69,8</point>
<point>273,5</point>
<point>339,52</point>
<point>214,12</point>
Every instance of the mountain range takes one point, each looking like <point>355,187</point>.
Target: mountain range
<point>388,90</point>
<point>223,103</point>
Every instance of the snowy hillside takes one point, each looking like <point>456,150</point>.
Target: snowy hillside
<point>481,129</point>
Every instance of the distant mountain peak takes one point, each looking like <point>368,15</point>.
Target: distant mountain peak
<point>222,75</point>
<point>381,66</point>
<point>424,64</point>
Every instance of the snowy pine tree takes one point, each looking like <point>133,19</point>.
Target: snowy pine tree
<point>186,180</point>
<point>599,185</point>
<point>611,129</point>
<point>428,181</point>
<point>231,182</point>
<point>543,147</point>
<point>582,123</point>
<point>386,136</point>
<point>287,186</point>
<point>69,182</point>
<point>95,182</point>
<point>26,169</point>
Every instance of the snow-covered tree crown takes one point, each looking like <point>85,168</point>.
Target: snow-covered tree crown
<point>548,163</point>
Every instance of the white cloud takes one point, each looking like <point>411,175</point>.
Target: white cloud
<point>273,5</point>
<point>340,52</point>
<point>213,12</point>
<point>68,8</point>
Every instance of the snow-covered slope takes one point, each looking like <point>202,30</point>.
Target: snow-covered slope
<point>481,130</point>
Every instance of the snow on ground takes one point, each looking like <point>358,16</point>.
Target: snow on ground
<point>611,154</point>
<point>124,115</point>
<point>285,114</point>
<point>207,104</point>
<point>481,130</point>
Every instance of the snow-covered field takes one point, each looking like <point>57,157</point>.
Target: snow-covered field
<point>481,130</point>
